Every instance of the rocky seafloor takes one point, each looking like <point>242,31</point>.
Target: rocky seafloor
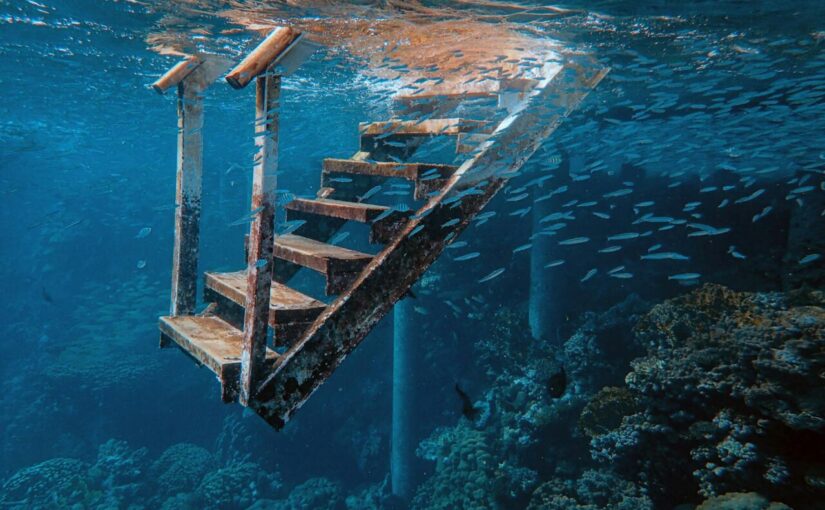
<point>711,400</point>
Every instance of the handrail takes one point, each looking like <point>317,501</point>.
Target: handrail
<point>260,259</point>
<point>176,74</point>
<point>263,56</point>
<point>191,77</point>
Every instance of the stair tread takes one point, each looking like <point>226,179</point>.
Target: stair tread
<point>285,303</point>
<point>322,257</point>
<point>210,340</point>
<point>429,127</point>
<point>409,171</point>
<point>354,211</point>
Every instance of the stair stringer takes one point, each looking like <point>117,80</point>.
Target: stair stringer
<point>390,275</point>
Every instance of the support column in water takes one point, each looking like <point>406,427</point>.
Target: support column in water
<point>402,448</point>
<point>545,307</point>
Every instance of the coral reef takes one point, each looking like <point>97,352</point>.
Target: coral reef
<point>605,410</point>
<point>183,477</point>
<point>741,501</point>
<point>118,473</point>
<point>594,490</point>
<point>116,477</point>
<point>180,468</point>
<point>314,494</point>
<point>465,471</point>
<point>55,483</point>
<point>598,353</point>
<point>499,460</point>
<point>373,497</point>
<point>234,486</point>
<point>730,399</point>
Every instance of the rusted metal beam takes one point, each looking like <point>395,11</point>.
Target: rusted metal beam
<point>388,277</point>
<point>263,56</point>
<point>260,262</point>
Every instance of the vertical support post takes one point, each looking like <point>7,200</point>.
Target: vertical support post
<point>261,235</point>
<point>188,195</point>
<point>402,448</point>
<point>544,305</point>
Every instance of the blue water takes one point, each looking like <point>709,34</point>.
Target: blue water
<point>698,160</point>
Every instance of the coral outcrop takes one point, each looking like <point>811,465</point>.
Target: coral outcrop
<point>235,486</point>
<point>180,468</point>
<point>315,493</point>
<point>741,501</point>
<point>731,399</point>
<point>594,490</point>
<point>55,483</point>
<point>465,470</point>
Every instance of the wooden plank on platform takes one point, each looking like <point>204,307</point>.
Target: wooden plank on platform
<point>341,209</point>
<point>212,342</point>
<point>322,257</point>
<point>286,304</point>
<point>429,127</point>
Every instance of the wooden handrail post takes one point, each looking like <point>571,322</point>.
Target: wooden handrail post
<point>187,197</point>
<point>191,77</point>
<point>260,263</point>
<point>188,76</point>
<point>260,65</point>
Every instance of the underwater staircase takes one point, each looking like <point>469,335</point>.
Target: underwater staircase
<point>310,338</point>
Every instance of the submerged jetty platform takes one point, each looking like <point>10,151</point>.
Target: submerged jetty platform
<point>270,345</point>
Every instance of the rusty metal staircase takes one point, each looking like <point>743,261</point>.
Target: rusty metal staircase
<point>309,337</point>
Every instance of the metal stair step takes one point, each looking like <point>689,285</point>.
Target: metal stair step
<point>384,223</point>
<point>426,176</point>
<point>340,265</point>
<point>212,342</point>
